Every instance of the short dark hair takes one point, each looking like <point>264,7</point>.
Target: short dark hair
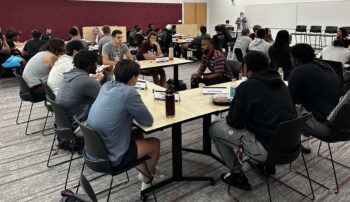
<point>203,29</point>
<point>245,31</point>
<point>36,34</point>
<point>218,28</point>
<point>125,69</point>
<point>86,60</point>
<point>303,52</point>
<point>115,32</point>
<point>261,33</point>
<point>256,61</point>
<point>48,27</point>
<point>210,40</point>
<point>73,31</point>
<point>54,45</point>
<point>150,25</point>
<point>74,45</point>
<point>106,29</point>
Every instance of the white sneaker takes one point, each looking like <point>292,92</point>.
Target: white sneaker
<point>305,144</point>
<point>157,172</point>
<point>156,179</point>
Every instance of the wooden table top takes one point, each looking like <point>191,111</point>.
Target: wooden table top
<point>146,64</point>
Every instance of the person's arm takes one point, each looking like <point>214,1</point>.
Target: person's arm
<point>238,111</point>
<point>105,58</point>
<point>129,56</point>
<point>219,68</point>
<point>50,60</point>
<point>138,109</point>
<point>159,51</point>
<point>5,49</point>
<point>295,86</point>
<point>92,87</point>
<point>213,76</point>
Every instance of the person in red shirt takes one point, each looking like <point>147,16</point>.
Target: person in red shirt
<point>150,50</point>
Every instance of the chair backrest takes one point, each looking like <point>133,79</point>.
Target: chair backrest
<point>24,90</point>
<point>331,30</point>
<point>235,67</point>
<point>48,91</point>
<point>63,125</point>
<point>95,152</point>
<point>239,54</point>
<point>339,118</point>
<point>300,28</point>
<point>336,66</point>
<point>88,189</point>
<point>316,29</point>
<point>285,143</point>
<point>347,29</point>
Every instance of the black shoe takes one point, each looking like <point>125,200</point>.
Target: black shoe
<point>238,180</point>
<point>259,168</point>
<point>305,150</point>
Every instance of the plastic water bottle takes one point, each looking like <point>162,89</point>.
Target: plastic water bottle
<point>171,53</point>
<point>232,89</point>
<point>280,71</point>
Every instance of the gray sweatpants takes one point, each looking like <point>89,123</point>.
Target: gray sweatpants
<point>226,139</point>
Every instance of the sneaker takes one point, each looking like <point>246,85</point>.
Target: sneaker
<point>156,179</point>
<point>305,145</point>
<point>238,180</point>
<point>156,173</point>
<point>259,168</point>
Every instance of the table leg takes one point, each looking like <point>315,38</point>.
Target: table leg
<point>176,77</point>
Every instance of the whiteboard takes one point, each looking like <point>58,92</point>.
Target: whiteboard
<point>278,16</point>
<point>288,15</point>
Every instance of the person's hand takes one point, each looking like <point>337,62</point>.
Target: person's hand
<point>98,76</point>
<point>196,76</point>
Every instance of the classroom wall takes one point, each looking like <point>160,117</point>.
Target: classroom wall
<point>62,14</point>
<point>219,11</point>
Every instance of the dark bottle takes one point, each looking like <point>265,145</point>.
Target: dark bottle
<point>169,102</point>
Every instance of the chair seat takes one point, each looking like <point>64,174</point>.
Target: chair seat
<point>117,171</point>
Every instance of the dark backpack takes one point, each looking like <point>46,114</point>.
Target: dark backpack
<point>67,144</point>
<point>69,196</point>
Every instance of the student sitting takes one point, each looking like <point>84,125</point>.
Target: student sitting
<point>78,91</point>
<point>165,39</point>
<point>195,43</point>
<point>63,64</point>
<point>115,50</point>
<point>259,105</point>
<point>337,52</point>
<point>12,36</point>
<point>48,34</point>
<point>259,44</point>
<point>40,65</point>
<point>242,43</point>
<point>96,35</point>
<point>106,38</point>
<point>75,35</point>
<point>112,115</point>
<point>149,50</point>
<point>6,59</point>
<point>32,46</point>
<point>215,61</point>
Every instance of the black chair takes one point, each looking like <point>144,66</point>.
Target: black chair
<point>316,32</point>
<point>337,67</point>
<point>26,95</point>
<point>235,67</point>
<point>88,189</point>
<point>301,31</point>
<point>330,31</point>
<point>347,29</point>
<point>97,159</point>
<point>284,149</point>
<point>239,55</point>
<point>340,131</point>
<point>64,130</point>
<point>48,106</point>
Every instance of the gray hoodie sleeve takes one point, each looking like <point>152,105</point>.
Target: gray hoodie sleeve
<point>137,109</point>
<point>92,88</point>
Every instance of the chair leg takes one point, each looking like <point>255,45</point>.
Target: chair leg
<point>19,110</point>
<point>53,142</point>
<point>70,163</point>
<point>268,186</point>
<point>47,115</point>
<point>110,188</point>
<point>308,177</point>
<point>30,113</point>
<point>149,174</point>
<point>335,174</point>
<point>319,148</point>
<point>81,173</point>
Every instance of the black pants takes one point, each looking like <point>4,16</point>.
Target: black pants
<point>208,82</point>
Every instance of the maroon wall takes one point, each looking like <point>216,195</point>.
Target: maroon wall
<point>26,15</point>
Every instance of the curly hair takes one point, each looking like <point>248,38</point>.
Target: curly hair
<point>86,60</point>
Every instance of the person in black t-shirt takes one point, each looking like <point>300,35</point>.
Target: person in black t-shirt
<point>150,50</point>
<point>32,46</point>
<point>315,88</point>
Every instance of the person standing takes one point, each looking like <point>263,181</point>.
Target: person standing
<point>241,22</point>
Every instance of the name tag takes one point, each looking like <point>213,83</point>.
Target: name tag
<point>214,90</point>
<point>141,84</point>
<point>160,95</point>
<point>162,59</point>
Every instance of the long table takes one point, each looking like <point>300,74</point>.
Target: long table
<point>185,111</point>
<point>147,64</point>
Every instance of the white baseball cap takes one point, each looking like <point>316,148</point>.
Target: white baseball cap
<point>168,27</point>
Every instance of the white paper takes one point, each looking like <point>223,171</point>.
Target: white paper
<point>160,95</point>
<point>214,90</point>
<point>141,85</point>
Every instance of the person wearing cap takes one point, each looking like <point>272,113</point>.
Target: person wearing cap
<point>63,64</point>
<point>39,66</point>
<point>165,38</point>
<point>32,46</point>
<point>115,50</point>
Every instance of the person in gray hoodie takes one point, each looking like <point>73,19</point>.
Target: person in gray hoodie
<point>78,91</point>
<point>259,44</point>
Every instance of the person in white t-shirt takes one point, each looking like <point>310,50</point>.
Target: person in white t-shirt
<point>63,64</point>
<point>337,52</point>
<point>259,44</point>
